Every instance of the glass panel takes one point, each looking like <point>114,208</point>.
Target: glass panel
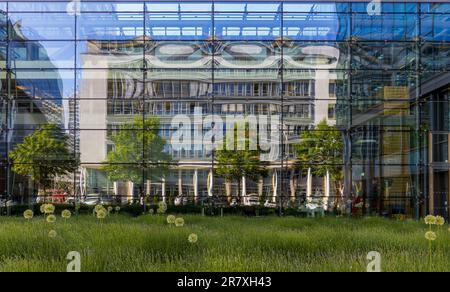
<point>115,6</point>
<point>170,84</point>
<point>42,55</point>
<point>3,26</point>
<point>382,56</point>
<point>178,26</point>
<point>247,55</point>
<point>436,56</point>
<point>3,7</point>
<point>394,27</point>
<point>238,83</point>
<point>440,148</point>
<point>43,84</point>
<point>384,85</point>
<point>110,26</point>
<point>3,55</point>
<point>17,137</point>
<point>315,7</point>
<point>247,7</point>
<point>177,54</point>
<point>34,113</point>
<point>435,8</point>
<point>105,54</point>
<point>3,85</point>
<point>376,147</point>
<point>36,26</point>
<point>315,26</point>
<point>383,113</point>
<point>440,111</point>
<point>435,27</point>
<point>95,145</point>
<point>384,189</point>
<point>110,84</point>
<point>179,7</point>
<point>247,26</point>
<point>315,55</point>
<point>34,6</point>
<point>386,7</point>
<point>4,110</point>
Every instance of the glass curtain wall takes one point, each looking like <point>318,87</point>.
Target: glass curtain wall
<point>114,75</point>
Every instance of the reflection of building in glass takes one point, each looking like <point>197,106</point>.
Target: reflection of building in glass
<point>225,78</point>
<point>30,98</point>
<point>382,79</point>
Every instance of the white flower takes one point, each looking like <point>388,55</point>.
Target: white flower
<point>171,219</point>
<point>193,238</point>
<point>28,214</point>
<point>51,219</point>
<point>66,214</point>
<point>52,234</point>
<point>179,222</point>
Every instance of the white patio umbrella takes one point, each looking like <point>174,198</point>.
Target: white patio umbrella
<point>275,186</point>
<point>210,184</point>
<point>83,181</point>
<point>309,186</point>
<point>163,189</point>
<point>244,189</point>
<point>327,190</point>
<point>195,183</point>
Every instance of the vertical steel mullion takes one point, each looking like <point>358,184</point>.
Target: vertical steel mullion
<point>8,106</point>
<point>213,81</point>
<point>349,139</point>
<point>418,131</point>
<point>283,142</point>
<point>77,105</point>
<point>143,107</point>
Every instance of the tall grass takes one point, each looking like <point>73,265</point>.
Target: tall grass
<point>147,243</point>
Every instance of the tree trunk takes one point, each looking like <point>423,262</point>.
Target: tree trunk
<point>340,196</point>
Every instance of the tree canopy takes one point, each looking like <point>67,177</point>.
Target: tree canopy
<point>322,150</point>
<point>44,155</point>
<point>138,148</point>
<point>233,164</point>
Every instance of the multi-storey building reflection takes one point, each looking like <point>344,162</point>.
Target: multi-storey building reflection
<point>381,78</point>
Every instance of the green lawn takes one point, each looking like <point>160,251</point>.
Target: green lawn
<point>148,243</point>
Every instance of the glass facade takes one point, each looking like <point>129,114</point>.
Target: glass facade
<point>380,76</point>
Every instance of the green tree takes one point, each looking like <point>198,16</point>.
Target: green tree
<point>138,150</point>
<point>322,150</point>
<point>44,155</point>
<point>233,164</point>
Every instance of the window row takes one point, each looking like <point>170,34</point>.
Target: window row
<point>251,56</point>
<point>236,6</point>
<point>224,26</point>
